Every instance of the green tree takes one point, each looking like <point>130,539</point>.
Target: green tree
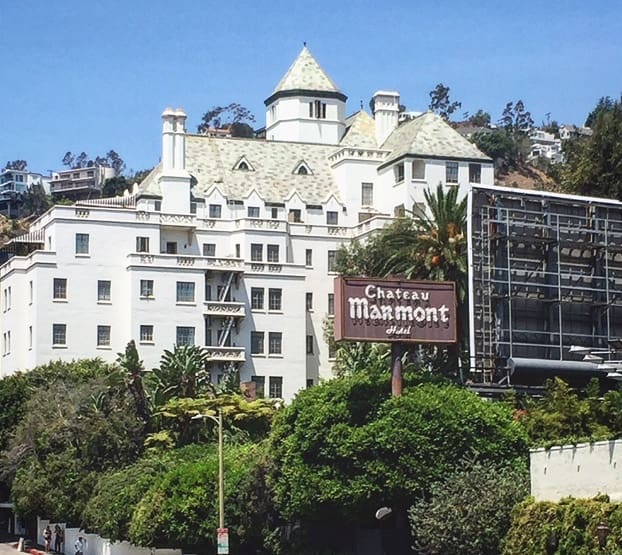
<point>440,102</point>
<point>594,164</point>
<point>344,448</point>
<point>35,201</point>
<point>20,165</point>
<point>480,119</point>
<point>234,116</point>
<point>456,519</point>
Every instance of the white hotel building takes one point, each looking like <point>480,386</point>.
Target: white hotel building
<point>228,243</point>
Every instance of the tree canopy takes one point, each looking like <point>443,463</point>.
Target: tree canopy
<point>233,116</point>
<point>440,102</point>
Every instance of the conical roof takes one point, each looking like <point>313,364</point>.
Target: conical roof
<point>306,74</point>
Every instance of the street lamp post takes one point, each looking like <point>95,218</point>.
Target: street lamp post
<point>221,474</point>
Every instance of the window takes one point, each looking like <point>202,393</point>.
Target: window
<point>332,350</point>
<point>146,288</point>
<point>256,343</point>
<point>273,253</point>
<point>82,243</point>
<point>332,257</point>
<point>399,173</point>
<point>30,291</point>
<point>275,343</point>
<point>253,211</point>
<point>475,173</point>
<point>317,109</point>
<point>30,337</point>
<point>157,205</point>
<point>237,250</point>
<point>275,387</point>
<point>171,247</point>
<point>59,334</point>
<point>332,218</point>
<point>256,252</point>
<point>260,386</point>
<point>294,216</point>
<point>309,301</point>
<point>215,211</point>
<point>257,294</point>
<point>142,244</point>
<point>302,170</point>
<point>243,166</point>
<point>103,290</point>
<point>274,213</point>
<point>308,257</point>
<point>185,335</point>
<point>60,288</point>
<point>451,172</point>
<point>185,291</point>
<point>399,211</point>
<point>367,194</point>
<point>309,344</point>
<point>146,334</point>
<point>418,169</point>
<point>331,304</point>
<point>209,249</point>
<point>275,299</point>
<point>309,382</point>
<point>103,336</point>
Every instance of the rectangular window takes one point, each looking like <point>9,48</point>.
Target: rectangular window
<point>273,253</point>
<point>331,304</point>
<point>30,337</point>
<point>59,334</point>
<point>60,288</point>
<point>310,109</point>
<point>295,216</point>
<point>475,173</point>
<point>209,249</point>
<point>275,299</point>
<point>31,292</point>
<point>276,387</point>
<point>451,172</point>
<point>103,336</point>
<point>332,258</point>
<point>171,247</point>
<point>142,244</point>
<point>256,252</point>
<point>367,194</point>
<point>260,386</point>
<point>253,212</point>
<point>146,333</point>
<point>274,213</point>
<point>256,343</point>
<point>82,243</point>
<point>309,344</point>
<point>399,173</point>
<point>257,294</point>
<point>185,335</point>
<point>146,288</point>
<point>309,301</point>
<point>103,290</point>
<point>237,250</point>
<point>332,218</point>
<point>185,291</point>
<point>418,169</point>
<point>215,211</point>
<point>309,257</point>
<point>157,205</point>
<point>275,343</point>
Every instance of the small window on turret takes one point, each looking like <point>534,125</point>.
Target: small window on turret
<point>302,170</point>
<point>243,166</point>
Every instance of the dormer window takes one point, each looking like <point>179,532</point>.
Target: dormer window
<point>317,109</point>
<point>243,165</point>
<point>302,169</point>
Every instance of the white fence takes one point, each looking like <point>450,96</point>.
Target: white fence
<point>96,545</point>
<point>581,471</point>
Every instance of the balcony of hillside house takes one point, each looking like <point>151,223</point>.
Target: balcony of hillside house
<point>223,308</point>
<point>225,354</point>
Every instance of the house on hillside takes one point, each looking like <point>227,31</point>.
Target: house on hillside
<point>229,243</point>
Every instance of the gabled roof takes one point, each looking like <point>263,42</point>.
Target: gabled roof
<point>305,74</point>
<point>429,135</point>
<point>360,131</point>
<point>211,162</point>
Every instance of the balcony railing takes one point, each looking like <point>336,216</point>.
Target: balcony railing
<point>224,308</point>
<point>225,354</point>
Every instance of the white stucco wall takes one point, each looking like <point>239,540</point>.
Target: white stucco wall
<point>582,470</point>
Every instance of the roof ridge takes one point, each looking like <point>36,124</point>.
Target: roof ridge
<point>306,73</point>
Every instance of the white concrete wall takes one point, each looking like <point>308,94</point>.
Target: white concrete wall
<point>582,470</point>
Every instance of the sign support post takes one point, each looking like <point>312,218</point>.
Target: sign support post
<point>397,352</point>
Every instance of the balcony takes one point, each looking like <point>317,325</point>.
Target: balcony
<point>185,261</point>
<point>224,308</point>
<point>225,354</point>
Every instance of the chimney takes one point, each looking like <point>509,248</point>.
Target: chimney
<point>386,111</point>
<point>174,179</point>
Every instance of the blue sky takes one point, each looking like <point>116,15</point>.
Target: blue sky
<point>95,75</point>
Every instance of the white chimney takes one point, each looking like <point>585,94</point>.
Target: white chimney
<point>386,111</point>
<point>174,179</point>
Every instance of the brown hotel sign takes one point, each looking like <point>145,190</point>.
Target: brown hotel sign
<point>390,310</point>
